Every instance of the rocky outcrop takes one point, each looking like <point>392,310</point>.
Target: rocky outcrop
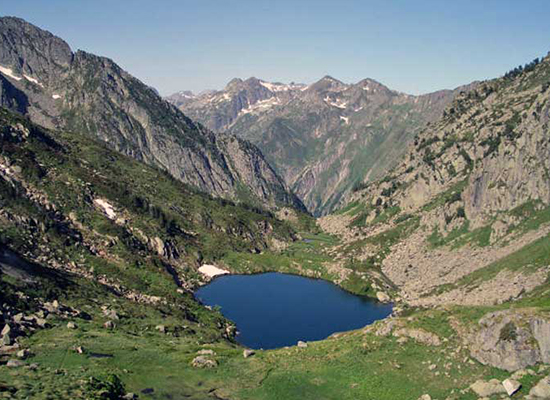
<point>510,340</point>
<point>470,194</point>
<point>490,152</point>
<point>42,78</point>
<point>541,390</point>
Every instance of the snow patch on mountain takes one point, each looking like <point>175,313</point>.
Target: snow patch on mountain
<point>260,106</point>
<point>280,87</point>
<point>33,80</point>
<point>336,103</point>
<point>9,72</point>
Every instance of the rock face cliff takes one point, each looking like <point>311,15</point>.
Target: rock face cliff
<point>41,77</point>
<point>323,138</point>
<point>492,143</point>
<point>464,217</point>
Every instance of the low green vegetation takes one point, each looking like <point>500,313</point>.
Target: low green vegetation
<point>449,196</point>
<point>306,256</point>
<point>461,236</point>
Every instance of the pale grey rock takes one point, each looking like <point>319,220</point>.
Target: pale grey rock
<point>487,389</point>
<point>302,344</point>
<point>489,347</point>
<point>6,330</point>
<point>109,325</point>
<point>248,353</point>
<point>15,364</point>
<point>511,386</point>
<point>419,335</point>
<point>384,328</point>
<point>23,354</point>
<point>382,297</point>
<point>206,352</point>
<point>541,333</point>
<point>204,362</point>
<point>542,389</point>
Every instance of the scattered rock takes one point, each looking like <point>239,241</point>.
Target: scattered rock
<point>129,396</point>
<point>206,352</point>
<point>541,332</point>
<point>71,325</point>
<point>203,362</point>
<point>15,363</point>
<point>22,354</point>
<point>247,353</point>
<point>420,335</point>
<point>111,314</point>
<point>511,386</point>
<point>161,328</point>
<point>6,340</point>
<point>302,345</point>
<point>41,322</point>
<point>487,389</point>
<point>425,397</point>
<point>383,297</point>
<point>541,389</point>
<point>6,330</point>
<point>385,328</point>
<point>79,350</point>
<point>109,325</point>
<point>33,366</point>
<point>432,367</point>
<point>402,340</point>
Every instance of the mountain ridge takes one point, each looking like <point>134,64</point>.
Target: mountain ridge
<point>83,92</point>
<point>322,138</point>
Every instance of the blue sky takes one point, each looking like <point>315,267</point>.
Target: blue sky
<point>411,46</point>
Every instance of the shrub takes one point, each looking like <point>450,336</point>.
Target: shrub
<point>508,332</point>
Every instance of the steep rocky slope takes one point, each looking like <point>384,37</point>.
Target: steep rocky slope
<point>472,194</point>
<point>64,189</point>
<point>323,138</point>
<point>41,77</point>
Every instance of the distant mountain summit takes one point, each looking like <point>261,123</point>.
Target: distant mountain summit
<point>180,98</point>
<point>323,138</point>
<point>41,77</point>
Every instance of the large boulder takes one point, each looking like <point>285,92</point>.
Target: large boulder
<point>487,389</point>
<point>541,333</point>
<point>204,362</point>
<point>510,340</point>
<point>383,297</point>
<point>511,386</point>
<point>542,389</point>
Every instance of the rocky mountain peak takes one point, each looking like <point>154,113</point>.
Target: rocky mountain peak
<point>85,93</point>
<point>31,52</point>
<point>235,82</point>
<point>350,132</point>
<point>327,83</point>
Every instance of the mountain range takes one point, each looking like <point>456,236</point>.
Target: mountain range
<point>115,207</point>
<point>323,138</point>
<point>42,78</point>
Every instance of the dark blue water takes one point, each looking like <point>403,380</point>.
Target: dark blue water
<point>274,310</point>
